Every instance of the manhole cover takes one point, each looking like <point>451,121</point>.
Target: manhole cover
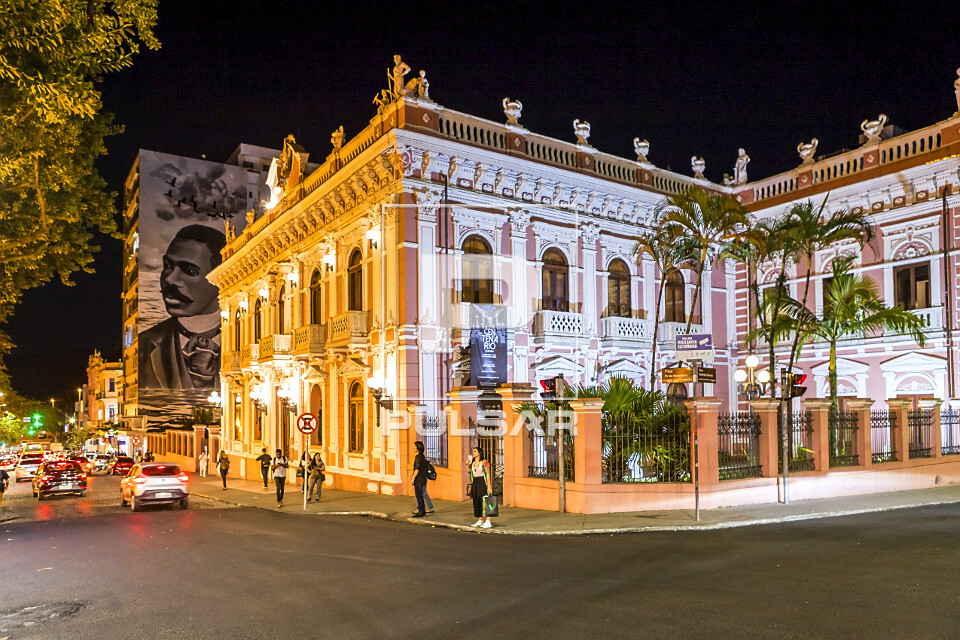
<point>38,614</point>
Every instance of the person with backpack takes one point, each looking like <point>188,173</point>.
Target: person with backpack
<point>280,464</point>
<point>223,463</point>
<point>418,478</point>
<point>264,459</point>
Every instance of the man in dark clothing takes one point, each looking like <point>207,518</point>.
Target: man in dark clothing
<point>419,479</point>
<point>265,461</point>
<point>4,480</point>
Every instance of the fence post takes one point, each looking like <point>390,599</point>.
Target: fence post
<point>708,439</point>
<point>515,452</point>
<point>767,444</point>
<point>936,435</point>
<point>588,442</point>
<point>900,438</point>
<point>819,409</point>
<point>864,432</point>
<point>458,439</point>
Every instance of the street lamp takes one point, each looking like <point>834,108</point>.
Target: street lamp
<point>750,383</point>
<point>258,396</point>
<point>285,393</point>
<point>378,386</point>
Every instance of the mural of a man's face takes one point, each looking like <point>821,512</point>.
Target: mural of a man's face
<point>183,284</point>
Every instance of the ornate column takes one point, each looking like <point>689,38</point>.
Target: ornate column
<point>767,443</point>
<point>862,407</point>
<point>900,434</point>
<point>520,300</point>
<point>515,437</point>
<point>589,281</point>
<point>820,410</point>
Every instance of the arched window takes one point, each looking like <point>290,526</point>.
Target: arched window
<point>555,281</point>
<point>237,416</point>
<point>281,311</point>
<point>355,282</point>
<point>673,305</point>
<point>316,298</point>
<point>477,283</point>
<point>258,320</point>
<point>356,418</point>
<point>257,418</point>
<point>236,331</point>
<point>618,290</point>
<point>316,408</point>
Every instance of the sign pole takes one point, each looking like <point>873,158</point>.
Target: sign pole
<point>303,447</point>
<point>696,445</point>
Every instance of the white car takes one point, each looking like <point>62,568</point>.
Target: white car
<point>154,483</point>
<point>28,465</point>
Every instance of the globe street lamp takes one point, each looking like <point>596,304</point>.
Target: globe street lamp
<point>751,383</point>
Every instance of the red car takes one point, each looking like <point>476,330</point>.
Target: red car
<point>59,476</point>
<point>120,466</point>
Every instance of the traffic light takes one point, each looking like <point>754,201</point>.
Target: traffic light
<point>794,384</point>
<point>553,389</point>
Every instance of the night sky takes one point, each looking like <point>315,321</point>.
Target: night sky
<point>698,78</point>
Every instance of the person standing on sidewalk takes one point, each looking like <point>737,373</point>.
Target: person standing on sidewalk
<point>265,461</point>
<point>223,463</point>
<point>4,481</point>
<point>315,476</point>
<point>418,478</point>
<point>280,464</point>
<point>202,462</point>
<point>479,481</point>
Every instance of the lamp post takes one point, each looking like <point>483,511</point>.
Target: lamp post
<point>752,384</point>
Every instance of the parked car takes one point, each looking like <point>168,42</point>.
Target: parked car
<point>120,465</point>
<point>8,463</point>
<point>59,476</point>
<point>28,465</point>
<point>154,483</point>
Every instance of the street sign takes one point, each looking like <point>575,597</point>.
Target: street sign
<point>694,347</point>
<point>672,375</point>
<point>707,375</point>
<point>307,423</point>
<point>137,440</point>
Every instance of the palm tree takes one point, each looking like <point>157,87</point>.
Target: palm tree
<point>811,232</point>
<point>663,247</point>
<point>852,306</point>
<point>710,222</point>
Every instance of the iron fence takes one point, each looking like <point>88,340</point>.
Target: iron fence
<point>799,441</point>
<point>950,432</point>
<point>645,449</point>
<point>882,436</point>
<point>739,434</point>
<point>919,424</point>
<point>545,456</point>
<point>842,426</point>
<point>433,434</point>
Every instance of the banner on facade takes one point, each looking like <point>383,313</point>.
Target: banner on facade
<point>488,345</point>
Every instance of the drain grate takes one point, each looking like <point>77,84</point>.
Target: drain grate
<point>38,614</point>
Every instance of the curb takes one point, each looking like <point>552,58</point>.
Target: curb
<point>504,530</point>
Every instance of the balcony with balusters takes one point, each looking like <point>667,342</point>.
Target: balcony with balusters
<point>349,329</point>
<point>274,347</point>
<point>309,340</point>
<point>625,333</point>
<point>557,325</point>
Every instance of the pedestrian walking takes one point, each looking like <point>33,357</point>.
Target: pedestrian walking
<point>4,481</point>
<point>202,462</point>
<point>316,476</point>
<point>479,483</point>
<point>302,470</point>
<point>265,461</point>
<point>418,478</point>
<point>280,464</point>
<point>223,463</point>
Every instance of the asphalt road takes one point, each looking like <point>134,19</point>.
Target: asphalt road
<point>249,573</point>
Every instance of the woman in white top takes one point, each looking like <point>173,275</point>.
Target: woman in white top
<point>479,470</point>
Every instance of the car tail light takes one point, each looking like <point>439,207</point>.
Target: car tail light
<point>139,480</point>
<point>82,476</point>
<point>183,477</point>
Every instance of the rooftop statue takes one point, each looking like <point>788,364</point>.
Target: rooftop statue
<point>419,87</point>
<point>400,69</point>
<point>806,151</point>
<point>512,109</point>
<point>336,139</point>
<point>956,90</point>
<point>699,166</point>
<point>740,168</point>
<point>582,131</point>
<point>642,148</point>
<point>872,128</point>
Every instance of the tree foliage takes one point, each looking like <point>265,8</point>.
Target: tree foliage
<point>52,199</point>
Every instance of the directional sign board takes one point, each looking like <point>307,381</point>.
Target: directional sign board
<point>706,375</point>
<point>672,375</point>
<point>695,347</point>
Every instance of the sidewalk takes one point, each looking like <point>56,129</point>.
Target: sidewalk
<point>515,521</point>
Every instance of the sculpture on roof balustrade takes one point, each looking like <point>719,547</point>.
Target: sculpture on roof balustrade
<point>740,168</point>
<point>336,139</point>
<point>806,151</point>
<point>641,148</point>
<point>512,109</point>
<point>582,131</point>
<point>872,129</point>
<point>400,69</point>
<point>419,87</point>
<point>956,91</point>
<point>699,166</point>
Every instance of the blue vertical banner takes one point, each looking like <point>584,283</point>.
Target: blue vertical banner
<point>488,345</point>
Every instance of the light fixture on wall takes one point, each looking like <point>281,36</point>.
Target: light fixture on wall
<point>378,389</point>
<point>259,397</point>
<point>264,293</point>
<point>285,393</point>
<point>293,278</point>
<point>373,235</point>
<point>243,305</point>
<point>224,314</point>
<point>214,398</point>
<point>329,260</point>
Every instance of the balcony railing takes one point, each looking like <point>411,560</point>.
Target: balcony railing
<point>558,323</point>
<point>349,327</point>
<point>309,339</point>
<point>274,345</point>
<point>932,318</point>
<point>230,362</point>
<point>249,355</point>
<point>628,329</point>
<point>670,330</point>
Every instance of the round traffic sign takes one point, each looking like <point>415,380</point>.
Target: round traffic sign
<point>307,423</point>
<point>136,440</point>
